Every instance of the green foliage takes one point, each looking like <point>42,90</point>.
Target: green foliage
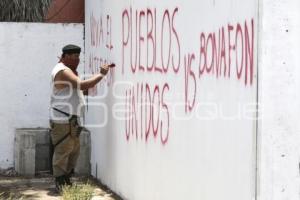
<point>78,192</point>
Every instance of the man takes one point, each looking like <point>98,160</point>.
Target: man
<point>66,108</point>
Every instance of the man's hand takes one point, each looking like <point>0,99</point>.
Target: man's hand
<point>86,92</point>
<point>112,65</point>
<point>105,68</point>
<point>68,75</point>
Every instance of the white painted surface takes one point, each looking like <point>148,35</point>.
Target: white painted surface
<point>279,128</point>
<point>207,159</point>
<point>28,52</point>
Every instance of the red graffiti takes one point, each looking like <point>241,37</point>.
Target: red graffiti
<point>147,112</point>
<point>218,60</point>
<point>100,38</point>
<point>135,41</point>
<point>151,44</point>
<point>215,58</point>
<point>189,76</point>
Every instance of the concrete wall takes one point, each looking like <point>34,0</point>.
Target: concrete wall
<point>176,118</point>
<point>279,86</point>
<point>28,52</point>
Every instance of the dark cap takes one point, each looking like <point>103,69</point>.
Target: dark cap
<point>71,48</point>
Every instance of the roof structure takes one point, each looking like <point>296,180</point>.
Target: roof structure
<point>23,10</point>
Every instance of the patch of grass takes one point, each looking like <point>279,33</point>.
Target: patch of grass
<point>78,192</point>
<point>10,196</point>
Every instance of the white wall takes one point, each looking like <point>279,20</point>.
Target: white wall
<point>28,52</point>
<point>279,128</point>
<point>205,147</point>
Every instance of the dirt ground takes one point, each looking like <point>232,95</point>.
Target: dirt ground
<point>42,187</point>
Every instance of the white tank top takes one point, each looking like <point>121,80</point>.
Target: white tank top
<point>69,100</point>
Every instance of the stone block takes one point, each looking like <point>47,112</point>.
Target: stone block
<point>32,152</point>
<point>24,157</point>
